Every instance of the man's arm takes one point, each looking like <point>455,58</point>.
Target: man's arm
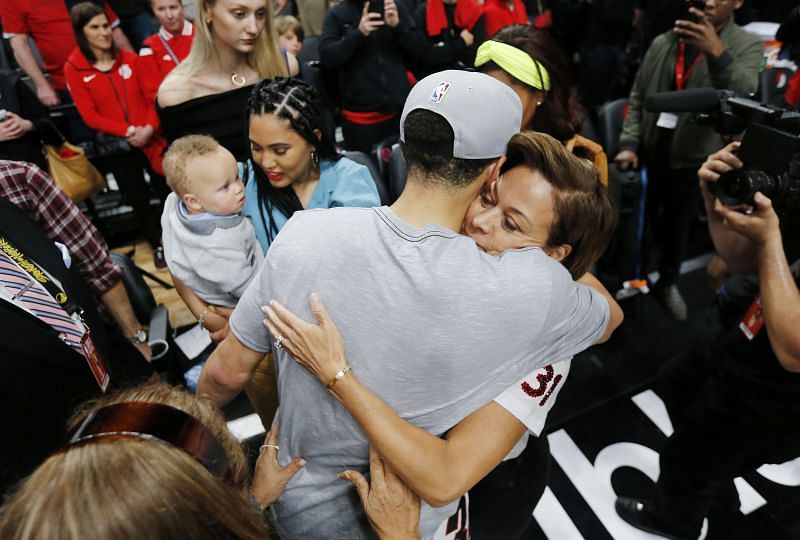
<point>338,44</point>
<point>629,141</point>
<point>738,252</point>
<point>616,315</point>
<point>27,61</point>
<point>228,370</point>
<point>62,221</point>
<point>117,301</point>
<point>780,299</point>
<point>121,40</point>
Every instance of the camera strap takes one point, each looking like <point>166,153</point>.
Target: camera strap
<point>682,73</point>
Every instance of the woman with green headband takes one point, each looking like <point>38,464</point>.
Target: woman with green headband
<point>530,62</point>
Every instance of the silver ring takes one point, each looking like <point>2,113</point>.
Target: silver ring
<point>279,342</point>
<point>275,446</point>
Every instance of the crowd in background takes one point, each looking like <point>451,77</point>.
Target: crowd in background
<point>220,121</point>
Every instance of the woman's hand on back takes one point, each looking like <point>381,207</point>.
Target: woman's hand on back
<point>269,478</point>
<point>317,347</point>
<point>391,507</point>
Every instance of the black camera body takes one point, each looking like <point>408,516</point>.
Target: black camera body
<point>770,149</point>
<point>771,160</point>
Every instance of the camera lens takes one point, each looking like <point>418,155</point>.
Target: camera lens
<point>738,187</point>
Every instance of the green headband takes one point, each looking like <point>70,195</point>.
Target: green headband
<point>516,62</point>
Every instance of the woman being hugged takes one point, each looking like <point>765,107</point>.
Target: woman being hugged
<point>547,198</point>
<point>235,46</point>
<point>105,84</point>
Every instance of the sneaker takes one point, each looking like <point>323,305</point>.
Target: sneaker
<point>670,297</point>
<point>158,258</point>
<point>633,513</point>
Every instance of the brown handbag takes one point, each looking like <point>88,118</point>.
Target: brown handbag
<point>72,170</point>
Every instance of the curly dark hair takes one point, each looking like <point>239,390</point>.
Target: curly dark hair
<point>560,115</point>
<point>296,102</point>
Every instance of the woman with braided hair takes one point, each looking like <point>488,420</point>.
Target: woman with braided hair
<point>293,164</point>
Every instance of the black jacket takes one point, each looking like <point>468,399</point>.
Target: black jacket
<point>447,50</point>
<point>41,379</point>
<point>371,69</point>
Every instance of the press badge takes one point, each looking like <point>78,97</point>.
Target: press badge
<point>95,362</point>
<point>667,120</point>
<point>753,320</point>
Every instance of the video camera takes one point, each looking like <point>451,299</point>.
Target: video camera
<point>770,148</point>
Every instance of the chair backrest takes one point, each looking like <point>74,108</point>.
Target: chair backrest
<point>141,296</point>
<point>772,85</point>
<point>383,153</point>
<point>310,50</point>
<point>398,171</point>
<point>369,163</point>
<point>610,117</point>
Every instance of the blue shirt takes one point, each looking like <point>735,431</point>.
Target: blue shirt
<point>341,183</point>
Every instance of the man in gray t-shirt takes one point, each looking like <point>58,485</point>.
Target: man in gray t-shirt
<point>434,326</point>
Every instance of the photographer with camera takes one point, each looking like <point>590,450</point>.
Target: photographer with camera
<point>734,406</point>
<point>704,49</point>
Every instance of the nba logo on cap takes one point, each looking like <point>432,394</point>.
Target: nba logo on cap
<point>439,92</point>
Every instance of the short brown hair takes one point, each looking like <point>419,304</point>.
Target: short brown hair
<point>287,23</point>
<point>583,214</point>
<point>179,152</point>
<point>124,488</point>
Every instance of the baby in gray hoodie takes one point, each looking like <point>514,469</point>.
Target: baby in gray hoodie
<point>208,244</point>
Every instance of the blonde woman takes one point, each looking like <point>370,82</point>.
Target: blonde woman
<point>156,462</point>
<point>235,46</point>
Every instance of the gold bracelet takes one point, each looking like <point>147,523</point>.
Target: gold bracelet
<point>342,372</point>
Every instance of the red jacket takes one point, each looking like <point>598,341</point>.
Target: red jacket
<point>112,101</point>
<point>498,16</point>
<point>155,60</point>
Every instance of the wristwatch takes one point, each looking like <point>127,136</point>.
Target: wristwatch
<point>139,337</point>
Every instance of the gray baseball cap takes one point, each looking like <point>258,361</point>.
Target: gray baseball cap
<point>483,112</point>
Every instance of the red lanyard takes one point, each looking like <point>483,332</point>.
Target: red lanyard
<point>681,73</point>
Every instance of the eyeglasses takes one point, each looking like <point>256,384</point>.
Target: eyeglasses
<point>151,421</point>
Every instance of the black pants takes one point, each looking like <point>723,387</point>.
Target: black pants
<point>717,438</point>
<point>362,137</point>
<point>501,505</point>
<point>128,170</point>
<point>673,197</point>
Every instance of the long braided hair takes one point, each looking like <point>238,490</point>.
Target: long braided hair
<point>295,101</point>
